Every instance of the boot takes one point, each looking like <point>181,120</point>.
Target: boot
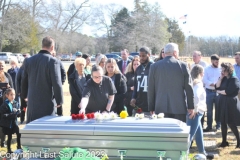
<point>2,144</point>
<point>9,150</point>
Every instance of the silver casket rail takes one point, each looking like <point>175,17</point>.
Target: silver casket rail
<point>130,138</point>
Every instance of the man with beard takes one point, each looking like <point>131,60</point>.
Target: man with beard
<point>139,97</point>
<point>211,75</point>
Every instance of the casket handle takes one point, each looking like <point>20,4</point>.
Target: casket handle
<point>122,153</point>
<point>161,154</point>
<point>45,150</point>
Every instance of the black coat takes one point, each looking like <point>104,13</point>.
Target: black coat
<point>18,80</point>
<point>130,83</point>
<point>71,69</point>
<point>11,117</point>
<point>40,82</point>
<point>121,87</point>
<point>120,65</point>
<point>63,72</point>
<point>229,112</point>
<point>75,92</point>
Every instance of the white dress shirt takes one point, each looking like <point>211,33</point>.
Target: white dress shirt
<point>211,76</point>
<point>201,63</point>
<point>199,98</point>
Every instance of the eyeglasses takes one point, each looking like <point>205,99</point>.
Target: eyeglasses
<point>97,77</point>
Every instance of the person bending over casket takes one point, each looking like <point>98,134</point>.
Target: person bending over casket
<point>98,93</point>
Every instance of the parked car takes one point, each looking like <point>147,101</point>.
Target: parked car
<point>73,58</point>
<point>26,55</point>
<point>65,58</point>
<point>134,54</point>
<point>19,57</point>
<point>7,57</point>
<point>130,57</point>
<point>117,53</point>
<point>93,58</point>
<point>114,56</point>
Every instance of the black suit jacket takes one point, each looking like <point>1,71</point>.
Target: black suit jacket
<point>120,64</point>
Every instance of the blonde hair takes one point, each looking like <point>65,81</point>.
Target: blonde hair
<point>113,61</point>
<point>130,65</point>
<point>2,75</point>
<point>79,60</point>
<point>15,61</point>
<point>99,58</point>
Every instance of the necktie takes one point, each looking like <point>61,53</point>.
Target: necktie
<point>124,67</point>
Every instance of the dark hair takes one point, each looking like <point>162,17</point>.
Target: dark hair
<point>47,42</point>
<point>7,93</point>
<point>85,56</point>
<point>228,68</point>
<point>214,57</point>
<point>97,68</point>
<point>145,49</point>
<point>160,55</point>
<point>125,50</point>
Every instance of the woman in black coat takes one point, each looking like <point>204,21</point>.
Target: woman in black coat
<point>130,82</point>
<point>113,72</point>
<point>227,87</point>
<point>76,84</point>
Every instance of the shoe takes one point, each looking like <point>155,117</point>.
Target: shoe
<point>207,129</point>
<point>9,151</point>
<point>223,144</point>
<point>209,156</point>
<point>2,145</point>
<point>237,146</point>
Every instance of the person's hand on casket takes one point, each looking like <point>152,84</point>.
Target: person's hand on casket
<point>82,111</point>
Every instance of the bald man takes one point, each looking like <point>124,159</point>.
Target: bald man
<point>197,59</point>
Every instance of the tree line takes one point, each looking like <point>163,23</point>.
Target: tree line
<point>23,23</point>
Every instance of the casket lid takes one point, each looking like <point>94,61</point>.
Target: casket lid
<point>117,127</point>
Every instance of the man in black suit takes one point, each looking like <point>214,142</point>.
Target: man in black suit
<point>124,62</point>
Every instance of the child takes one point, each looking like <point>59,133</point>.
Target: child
<point>9,111</point>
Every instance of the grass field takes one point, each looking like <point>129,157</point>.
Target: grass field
<point>211,140</point>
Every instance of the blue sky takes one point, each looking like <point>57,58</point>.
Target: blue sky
<point>205,17</point>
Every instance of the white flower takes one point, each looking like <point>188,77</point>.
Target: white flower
<point>98,116</point>
<point>105,116</point>
<point>141,116</point>
<point>154,116</point>
<point>160,115</point>
<point>137,115</point>
<point>113,115</point>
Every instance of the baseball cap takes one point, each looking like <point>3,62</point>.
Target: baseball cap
<point>78,53</point>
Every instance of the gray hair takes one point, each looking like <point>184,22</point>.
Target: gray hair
<point>197,52</point>
<point>170,48</point>
<point>99,58</point>
<point>196,70</point>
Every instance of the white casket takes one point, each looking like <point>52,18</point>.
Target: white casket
<point>128,138</point>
